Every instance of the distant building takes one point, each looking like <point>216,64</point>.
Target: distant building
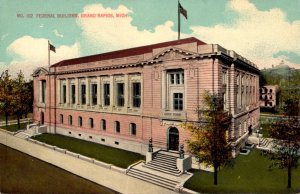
<point>268,96</point>
<point>124,98</point>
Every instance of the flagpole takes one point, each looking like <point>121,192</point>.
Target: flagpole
<point>178,21</point>
<point>49,86</point>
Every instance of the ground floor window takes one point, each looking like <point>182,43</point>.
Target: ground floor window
<point>117,127</point>
<point>80,121</point>
<point>61,119</point>
<point>132,128</point>
<point>103,124</point>
<point>70,120</point>
<point>91,122</point>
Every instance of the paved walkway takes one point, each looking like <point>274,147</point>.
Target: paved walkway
<point>108,177</point>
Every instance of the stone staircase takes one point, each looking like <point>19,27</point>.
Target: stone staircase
<point>161,170</point>
<point>165,162</point>
<point>27,133</point>
<point>263,142</point>
<point>153,178</point>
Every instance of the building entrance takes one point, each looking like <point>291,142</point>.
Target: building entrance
<point>173,139</point>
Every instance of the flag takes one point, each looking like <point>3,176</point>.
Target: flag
<point>182,11</point>
<point>51,47</point>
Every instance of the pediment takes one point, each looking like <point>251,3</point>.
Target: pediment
<point>40,71</point>
<point>171,53</point>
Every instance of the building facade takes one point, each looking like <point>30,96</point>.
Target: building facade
<point>124,98</point>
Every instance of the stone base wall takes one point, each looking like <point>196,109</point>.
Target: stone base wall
<point>132,146</point>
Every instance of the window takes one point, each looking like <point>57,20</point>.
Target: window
<point>106,94</point>
<point>42,118</point>
<point>61,119</point>
<point>70,120</point>
<point>64,94</point>
<point>43,91</point>
<point>178,101</point>
<point>136,94</point>
<point>103,124</point>
<point>73,94</point>
<point>172,78</point>
<point>80,121</point>
<point>94,94</point>
<point>120,94</point>
<point>117,126</point>
<point>91,122</point>
<point>176,78</point>
<point>83,94</point>
<point>132,128</point>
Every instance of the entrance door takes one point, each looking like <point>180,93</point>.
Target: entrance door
<point>173,139</point>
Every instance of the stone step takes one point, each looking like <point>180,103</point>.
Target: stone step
<point>155,182</point>
<point>160,155</point>
<point>22,135</point>
<point>153,176</point>
<point>169,153</point>
<point>174,172</point>
<point>161,165</point>
<point>165,160</point>
<point>167,165</point>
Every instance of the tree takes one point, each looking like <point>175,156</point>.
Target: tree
<point>6,85</point>
<point>285,150</point>
<point>208,141</point>
<point>22,97</point>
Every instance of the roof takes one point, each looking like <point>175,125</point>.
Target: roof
<point>126,52</point>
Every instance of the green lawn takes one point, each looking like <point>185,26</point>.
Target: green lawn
<point>20,173</point>
<point>14,127</point>
<point>103,153</point>
<point>250,174</point>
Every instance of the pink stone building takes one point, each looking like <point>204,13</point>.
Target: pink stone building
<point>125,97</point>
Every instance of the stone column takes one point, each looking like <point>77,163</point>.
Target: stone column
<point>58,88</point>
<point>88,95</point>
<point>99,92</point>
<point>164,89</point>
<point>77,91</point>
<point>67,91</point>
<point>40,91</point>
<point>232,90</point>
<point>112,92</point>
<point>127,91</point>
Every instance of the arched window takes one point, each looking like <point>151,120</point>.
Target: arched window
<point>132,128</point>
<point>103,124</point>
<point>117,127</point>
<point>80,121</point>
<point>70,121</point>
<point>42,118</point>
<point>61,119</point>
<point>91,122</point>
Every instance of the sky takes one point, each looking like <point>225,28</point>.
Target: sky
<point>264,31</point>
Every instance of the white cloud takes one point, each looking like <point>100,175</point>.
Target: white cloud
<point>29,53</point>
<point>57,33</point>
<point>117,33</point>
<point>255,34</point>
